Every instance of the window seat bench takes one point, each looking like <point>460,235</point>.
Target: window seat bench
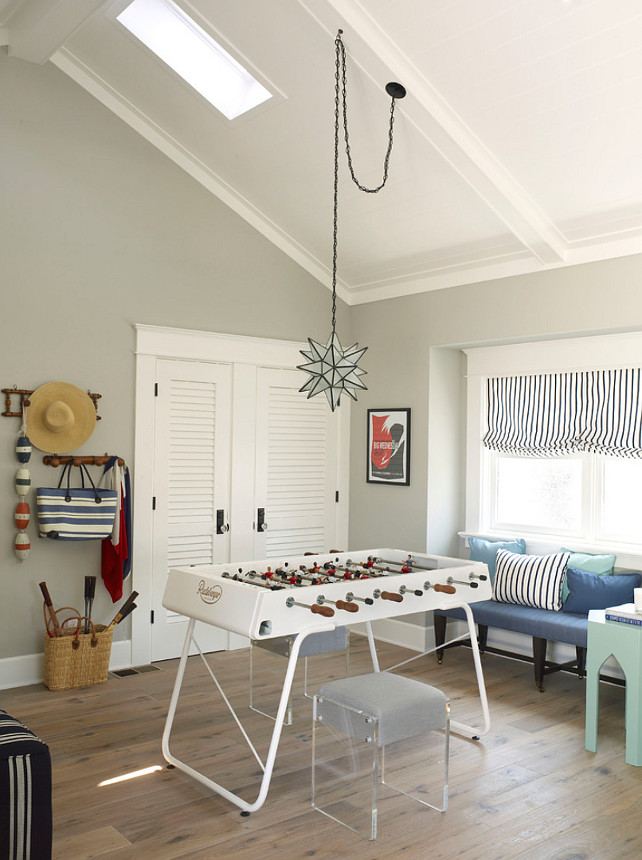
<point>543,625</point>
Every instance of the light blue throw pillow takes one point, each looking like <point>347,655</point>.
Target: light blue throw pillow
<point>596,591</point>
<point>588,563</point>
<point>486,551</point>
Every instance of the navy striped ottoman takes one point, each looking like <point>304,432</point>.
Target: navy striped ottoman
<point>25,793</point>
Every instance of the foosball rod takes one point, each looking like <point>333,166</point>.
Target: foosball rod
<point>444,589</point>
<point>326,574</point>
<point>417,591</point>
<point>340,604</point>
<point>367,600</point>
<point>467,582</point>
<point>316,577</point>
<point>328,611</point>
<point>381,564</point>
<point>412,563</point>
<point>409,562</point>
<point>387,595</point>
<point>372,566</point>
<point>251,581</point>
<point>359,574</point>
<point>450,581</point>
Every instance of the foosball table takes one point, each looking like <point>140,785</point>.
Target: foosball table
<point>307,594</point>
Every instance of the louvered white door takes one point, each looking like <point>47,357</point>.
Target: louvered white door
<point>296,453</point>
<point>191,483</point>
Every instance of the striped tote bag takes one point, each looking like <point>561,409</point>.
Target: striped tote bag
<point>75,513</point>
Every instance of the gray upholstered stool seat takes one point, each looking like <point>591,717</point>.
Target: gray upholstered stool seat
<point>378,727</point>
<point>404,707</point>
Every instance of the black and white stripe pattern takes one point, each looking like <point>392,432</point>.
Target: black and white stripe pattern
<point>599,411</point>
<point>532,580</point>
<point>25,793</point>
<point>20,807</point>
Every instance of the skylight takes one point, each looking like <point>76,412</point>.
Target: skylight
<point>179,41</point>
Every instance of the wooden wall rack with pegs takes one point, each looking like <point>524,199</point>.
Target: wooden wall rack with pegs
<point>86,460</point>
<point>23,394</point>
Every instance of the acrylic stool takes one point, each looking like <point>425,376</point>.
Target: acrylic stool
<point>373,728</point>
<point>314,645</point>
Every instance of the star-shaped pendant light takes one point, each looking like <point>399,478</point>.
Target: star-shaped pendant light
<point>330,368</point>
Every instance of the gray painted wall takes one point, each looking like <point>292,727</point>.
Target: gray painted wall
<point>98,231</point>
<point>412,362</point>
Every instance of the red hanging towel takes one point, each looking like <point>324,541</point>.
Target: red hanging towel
<point>115,549</point>
<point>113,556</point>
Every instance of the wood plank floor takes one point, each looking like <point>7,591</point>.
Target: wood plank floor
<point>527,790</point>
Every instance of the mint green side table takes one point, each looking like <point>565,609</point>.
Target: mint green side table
<point>624,642</point>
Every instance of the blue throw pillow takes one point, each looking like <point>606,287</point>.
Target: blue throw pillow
<point>593,591</point>
<point>589,563</point>
<point>486,551</point>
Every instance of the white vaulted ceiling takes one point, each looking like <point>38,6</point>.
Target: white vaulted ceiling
<point>516,149</point>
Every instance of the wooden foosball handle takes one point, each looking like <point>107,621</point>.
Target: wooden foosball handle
<point>348,607</point>
<point>391,595</point>
<point>447,589</point>
<point>328,611</point>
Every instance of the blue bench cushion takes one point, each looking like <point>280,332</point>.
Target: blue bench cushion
<point>593,591</point>
<point>588,563</point>
<point>486,551</point>
<point>543,623</point>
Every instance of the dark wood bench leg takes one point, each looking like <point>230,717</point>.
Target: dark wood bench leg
<point>539,661</point>
<point>439,622</point>
<point>581,661</point>
<point>482,638</point>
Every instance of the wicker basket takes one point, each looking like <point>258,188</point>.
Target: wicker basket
<point>77,659</point>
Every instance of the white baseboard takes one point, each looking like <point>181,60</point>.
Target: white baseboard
<point>520,643</point>
<point>412,636</point>
<point>420,639</point>
<point>21,671</point>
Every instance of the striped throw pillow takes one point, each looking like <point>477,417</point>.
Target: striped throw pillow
<point>532,580</point>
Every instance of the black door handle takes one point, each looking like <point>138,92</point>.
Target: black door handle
<point>221,525</point>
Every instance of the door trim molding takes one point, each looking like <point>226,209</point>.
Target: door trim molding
<point>157,342</point>
<point>163,342</point>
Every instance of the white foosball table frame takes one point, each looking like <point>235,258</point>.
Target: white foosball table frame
<point>209,594</point>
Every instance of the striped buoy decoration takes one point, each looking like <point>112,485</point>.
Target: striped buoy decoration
<point>23,514</point>
<point>22,546</point>
<point>23,482</point>
<point>23,449</point>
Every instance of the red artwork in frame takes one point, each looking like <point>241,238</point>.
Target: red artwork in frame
<point>388,446</point>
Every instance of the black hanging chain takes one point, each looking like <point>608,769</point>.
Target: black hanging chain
<point>335,206</point>
<point>340,99</point>
<point>341,62</point>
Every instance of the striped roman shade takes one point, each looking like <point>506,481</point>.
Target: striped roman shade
<point>532,580</point>
<point>562,413</point>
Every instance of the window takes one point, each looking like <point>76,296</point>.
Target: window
<point>538,494</point>
<point>192,53</point>
<point>620,510</point>
<point>594,498</point>
<point>582,498</point>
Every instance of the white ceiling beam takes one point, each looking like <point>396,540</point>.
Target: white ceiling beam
<point>435,119</point>
<point>39,27</point>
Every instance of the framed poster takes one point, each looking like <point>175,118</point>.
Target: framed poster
<point>388,446</point>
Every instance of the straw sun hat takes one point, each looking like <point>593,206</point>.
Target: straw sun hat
<point>60,417</point>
